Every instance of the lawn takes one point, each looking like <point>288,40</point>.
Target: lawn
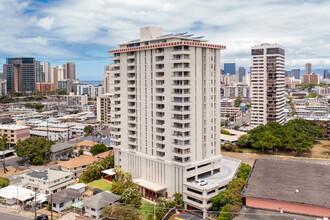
<point>146,208</point>
<point>101,184</point>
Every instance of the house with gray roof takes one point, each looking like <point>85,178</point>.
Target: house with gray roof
<point>61,200</point>
<point>47,181</point>
<point>59,150</point>
<point>94,205</point>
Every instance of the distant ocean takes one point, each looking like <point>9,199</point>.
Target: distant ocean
<point>92,82</point>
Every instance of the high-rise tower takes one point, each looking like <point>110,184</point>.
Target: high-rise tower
<point>165,112</point>
<point>267,84</point>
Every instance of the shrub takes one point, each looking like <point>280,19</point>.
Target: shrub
<point>223,131</point>
<point>229,147</point>
<point>244,171</point>
<point>4,182</point>
<point>81,151</point>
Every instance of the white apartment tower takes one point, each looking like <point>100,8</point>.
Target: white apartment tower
<point>166,110</point>
<point>267,84</point>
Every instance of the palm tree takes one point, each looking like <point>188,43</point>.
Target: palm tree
<point>3,146</point>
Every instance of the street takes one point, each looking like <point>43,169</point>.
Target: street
<point>8,216</point>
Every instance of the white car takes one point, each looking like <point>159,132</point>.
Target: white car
<point>201,182</point>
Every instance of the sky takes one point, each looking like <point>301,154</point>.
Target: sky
<point>82,31</point>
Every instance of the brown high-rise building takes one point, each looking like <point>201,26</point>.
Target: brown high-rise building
<point>308,68</point>
<point>70,70</point>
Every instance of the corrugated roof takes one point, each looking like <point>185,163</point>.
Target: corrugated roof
<point>60,146</point>
<point>101,200</point>
<point>64,195</point>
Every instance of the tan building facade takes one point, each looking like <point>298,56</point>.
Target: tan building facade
<point>15,132</point>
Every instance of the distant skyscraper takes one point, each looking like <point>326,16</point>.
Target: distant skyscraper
<point>229,68</point>
<point>296,73</point>
<point>1,75</point>
<point>241,73</point>
<point>46,70</point>
<point>308,68</point>
<point>40,76</point>
<point>267,84</point>
<point>326,74</point>
<point>288,74</point>
<point>70,70</point>
<point>20,73</point>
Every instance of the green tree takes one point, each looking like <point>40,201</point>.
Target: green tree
<point>238,102</point>
<point>36,149</point>
<point>131,195</point>
<point>118,211</point>
<point>220,200</point>
<point>98,148</point>
<point>61,92</point>
<point>88,129</point>
<point>122,181</point>
<point>161,208</point>
<point>4,182</point>
<point>244,171</point>
<point>243,141</point>
<point>81,151</point>
<point>4,146</point>
<point>264,140</point>
<point>93,171</point>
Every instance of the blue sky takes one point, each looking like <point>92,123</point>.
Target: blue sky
<point>83,31</point>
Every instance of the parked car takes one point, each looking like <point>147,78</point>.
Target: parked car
<point>77,155</point>
<point>201,182</point>
<point>64,159</point>
<point>42,217</point>
<point>72,156</point>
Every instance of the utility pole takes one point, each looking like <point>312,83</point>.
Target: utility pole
<point>47,131</point>
<point>35,204</point>
<point>51,205</point>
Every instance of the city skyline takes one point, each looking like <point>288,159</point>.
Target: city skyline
<point>56,31</point>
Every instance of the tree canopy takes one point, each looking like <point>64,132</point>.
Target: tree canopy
<point>98,148</point>
<point>118,211</point>
<point>238,102</point>
<point>88,129</point>
<point>36,149</point>
<point>93,171</point>
<point>295,135</point>
<point>4,182</point>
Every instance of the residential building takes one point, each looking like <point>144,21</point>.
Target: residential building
<point>296,73</point>
<point>103,109</point>
<point>46,68</point>
<point>15,133</point>
<point>61,74</point>
<point>47,181</point>
<point>60,150</point>
<point>308,68</point>
<point>294,186</point>
<point>240,91</point>
<point>60,201</point>
<point>1,76</point>
<point>247,79</point>
<point>267,84</point>
<point>72,99</point>
<point>311,78</point>
<point>20,73</point>
<point>12,195</point>
<point>108,81</point>
<point>241,73</point>
<point>70,70</point>
<point>228,107</point>
<point>94,205</point>
<point>40,86</point>
<point>3,87</point>
<point>230,68</point>
<point>167,96</point>
<point>65,84</point>
<point>77,165</point>
<point>91,90</point>
<point>288,74</point>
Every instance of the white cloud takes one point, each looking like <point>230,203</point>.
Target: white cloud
<point>302,27</point>
<point>46,23</point>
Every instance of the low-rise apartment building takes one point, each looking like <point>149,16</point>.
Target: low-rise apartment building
<point>73,99</point>
<point>15,132</point>
<point>239,91</point>
<point>47,181</point>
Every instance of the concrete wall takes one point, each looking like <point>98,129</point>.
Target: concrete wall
<point>288,207</point>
